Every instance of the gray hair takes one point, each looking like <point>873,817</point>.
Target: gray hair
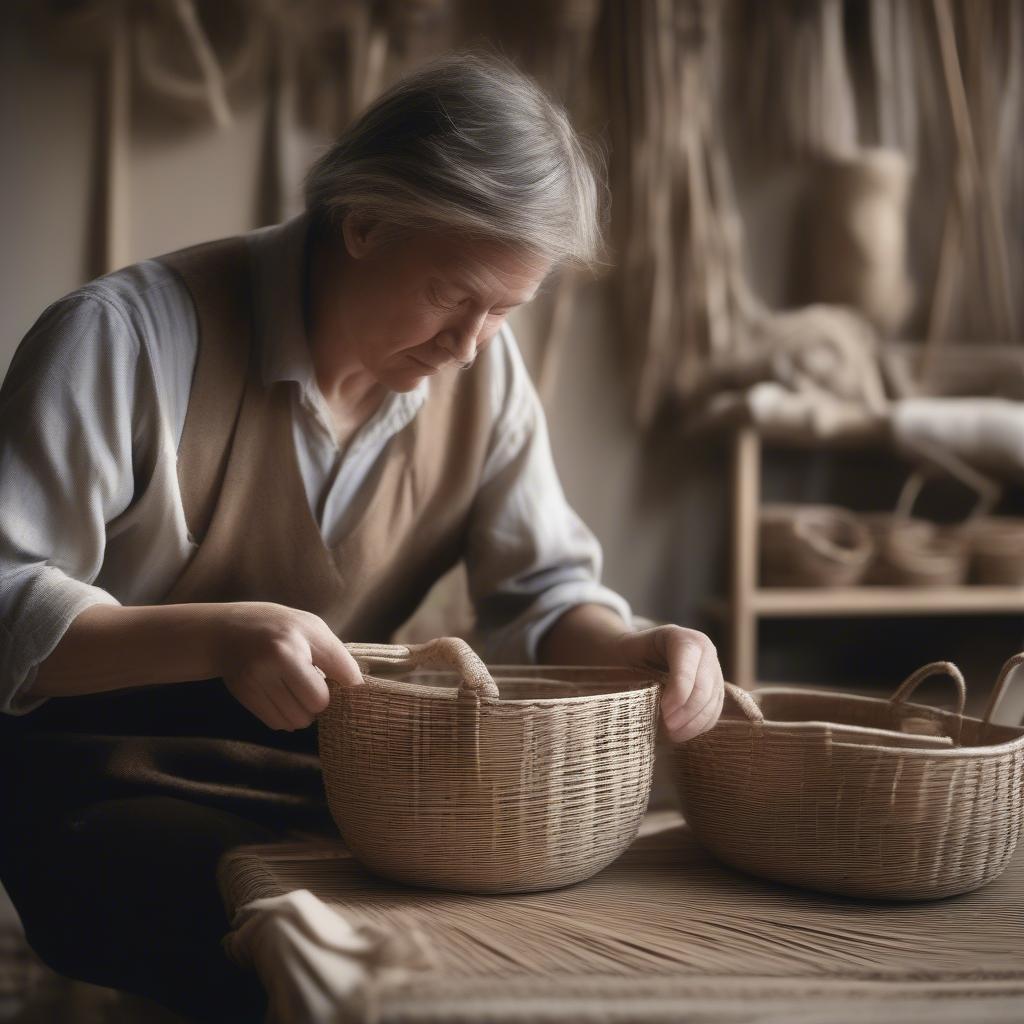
<point>471,145</point>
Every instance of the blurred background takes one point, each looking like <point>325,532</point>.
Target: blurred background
<point>790,407</point>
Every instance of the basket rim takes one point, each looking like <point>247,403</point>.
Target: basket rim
<point>729,720</point>
<point>645,683</point>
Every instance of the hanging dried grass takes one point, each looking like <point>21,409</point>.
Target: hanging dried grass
<point>791,78</point>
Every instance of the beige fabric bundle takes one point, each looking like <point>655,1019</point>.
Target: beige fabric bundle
<point>437,780</point>
<point>855,795</point>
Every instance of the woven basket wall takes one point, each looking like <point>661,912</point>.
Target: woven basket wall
<point>812,546</point>
<point>856,795</point>
<point>997,550</point>
<point>434,779</point>
<point>916,552</point>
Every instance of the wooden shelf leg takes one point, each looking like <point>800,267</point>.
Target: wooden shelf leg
<point>746,496</point>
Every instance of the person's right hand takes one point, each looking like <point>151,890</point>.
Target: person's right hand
<point>274,660</point>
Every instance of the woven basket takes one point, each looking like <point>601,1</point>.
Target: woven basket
<point>997,550</point>
<point>433,779</point>
<point>916,552</point>
<point>812,546</point>
<point>856,795</point>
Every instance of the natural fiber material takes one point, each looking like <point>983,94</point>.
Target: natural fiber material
<point>813,546</point>
<point>853,237</point>
<point>667,928</point>
<point>997,550</point>
<point>855,795</point>
<point>436,780</point>
<point>916,552</point>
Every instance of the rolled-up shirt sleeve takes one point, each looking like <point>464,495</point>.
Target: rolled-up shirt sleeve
<point>530,557</point>
<point>66,438</point>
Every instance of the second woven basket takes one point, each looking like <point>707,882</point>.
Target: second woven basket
<point>855,795</point>
<point>437,779</point>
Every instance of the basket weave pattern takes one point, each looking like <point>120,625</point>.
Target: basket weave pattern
<point>812,545</point>
<point>436,780</point>
<point>855,795</point>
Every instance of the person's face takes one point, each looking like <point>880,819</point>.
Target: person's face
<point>430,303</point>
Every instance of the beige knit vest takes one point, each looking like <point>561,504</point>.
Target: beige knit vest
<point>243,494</point>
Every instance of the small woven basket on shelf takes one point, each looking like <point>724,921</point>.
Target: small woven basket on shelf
<point>912,552</point>
<point>916,552</point>
<point>997,550</point>
<point>436,779</point>
<point>812,546</point>
<point>856,795</point>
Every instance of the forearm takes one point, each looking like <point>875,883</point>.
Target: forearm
<point>112,647</point>
<point>584,635</point>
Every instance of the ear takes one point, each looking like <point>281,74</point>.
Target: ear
<point>360,234</point>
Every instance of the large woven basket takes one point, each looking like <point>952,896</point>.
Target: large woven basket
<point>857,795</point>
<point>436,779</point>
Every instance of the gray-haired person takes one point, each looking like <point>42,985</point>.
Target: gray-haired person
<point>218,465</point>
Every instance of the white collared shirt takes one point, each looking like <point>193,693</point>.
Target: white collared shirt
<point>91,415</point>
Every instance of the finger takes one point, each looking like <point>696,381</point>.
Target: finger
<point>684,656</point>
<point>706,721</point>
<point>331,655</point>
<point>705,691</point>
<point>693,693</point>
<point>291,710</point>
<point>257,703</point>
<point>700,723</point>
<point>308,685</point>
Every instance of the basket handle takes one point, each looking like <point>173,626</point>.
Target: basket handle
<point>988,491</point>
<point>1002,684</point>
<point>821,544</point>
<point>911,683</point>
<point>746,703</point>
<point>447,652</point>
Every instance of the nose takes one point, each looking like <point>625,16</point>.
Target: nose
<point>460,340</point>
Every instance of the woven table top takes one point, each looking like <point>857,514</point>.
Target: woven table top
<point>666,930</point>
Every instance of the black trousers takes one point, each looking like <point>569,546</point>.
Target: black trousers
<point>116,809</point>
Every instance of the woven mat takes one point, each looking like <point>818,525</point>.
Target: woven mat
<point>665,934</point>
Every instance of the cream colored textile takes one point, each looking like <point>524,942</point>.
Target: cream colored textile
<point>987,433</point>
<point>315,963</point>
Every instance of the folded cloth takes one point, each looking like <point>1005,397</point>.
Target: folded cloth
<point>987,433</point>
<point>316,964</point>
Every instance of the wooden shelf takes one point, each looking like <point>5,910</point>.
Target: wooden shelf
<point>748,603</point>
<point>811,602</point>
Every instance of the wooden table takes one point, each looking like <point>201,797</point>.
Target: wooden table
<point>667,934</point>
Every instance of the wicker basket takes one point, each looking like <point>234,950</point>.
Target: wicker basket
<point>997,550</point>
<point>856,795</point>
<point>916,552</point>
<point>812,546</point>
<point>433,779</point>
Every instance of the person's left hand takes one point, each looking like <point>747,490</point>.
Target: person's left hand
<point>692,698</point>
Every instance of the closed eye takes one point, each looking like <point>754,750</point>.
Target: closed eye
<point>438,300</point>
